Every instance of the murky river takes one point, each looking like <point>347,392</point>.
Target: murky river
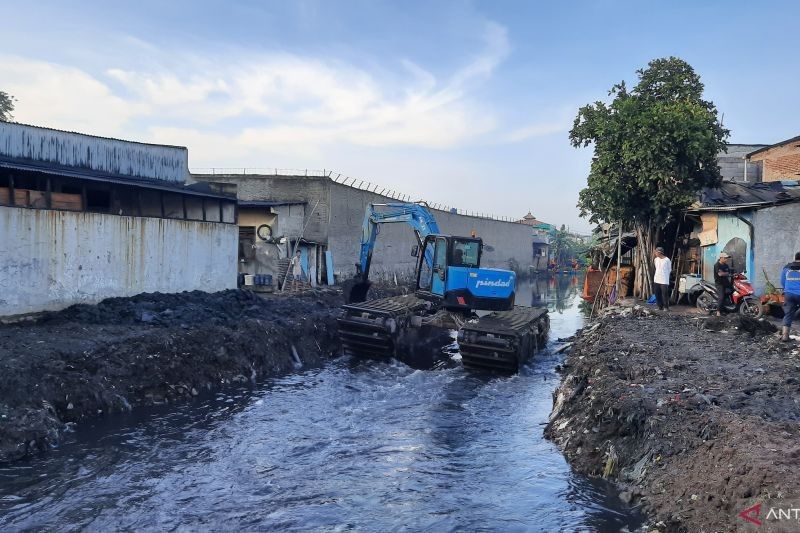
<point>352,446</point>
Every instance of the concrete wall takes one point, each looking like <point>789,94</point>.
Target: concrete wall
<point>732,163</point>
<point>79,151</point>
<point>313,190</point>
<point>290,221</point>
<point>511,241</point>
<point>52,259</point>
<point>334,214</point>
<point>777,239</point>
<point>263,257</point>
<point>779,163</point>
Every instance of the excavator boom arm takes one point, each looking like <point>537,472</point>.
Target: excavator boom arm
<point>415,215</point>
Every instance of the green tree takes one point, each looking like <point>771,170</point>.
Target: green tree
<point>564,247</point>
<point>6,107</point>
<point>655,148</point>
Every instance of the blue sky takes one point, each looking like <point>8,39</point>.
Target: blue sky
<point>462,103</point>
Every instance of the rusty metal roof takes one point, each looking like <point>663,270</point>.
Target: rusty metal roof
<point>732,196</point>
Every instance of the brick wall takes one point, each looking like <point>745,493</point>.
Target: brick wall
<point>780,163</point>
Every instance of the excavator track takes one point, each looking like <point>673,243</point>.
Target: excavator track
<point>503,340</point>
<point>374,328</point>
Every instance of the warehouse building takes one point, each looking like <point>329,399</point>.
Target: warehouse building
<point>323,215</point>
<point>83,218</point>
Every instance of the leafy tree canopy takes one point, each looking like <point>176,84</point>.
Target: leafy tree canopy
<point>655,146</point>
<point>6,107</point>
<point>564,247</point>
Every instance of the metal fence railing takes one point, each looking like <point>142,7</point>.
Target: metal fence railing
<point>356,183</point>
<point>260,171</point>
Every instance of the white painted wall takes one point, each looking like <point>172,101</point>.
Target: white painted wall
<point>52,259</point>
<point>111,156</point>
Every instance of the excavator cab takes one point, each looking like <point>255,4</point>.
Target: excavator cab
<point>449,277</point>
<point>448,270</point>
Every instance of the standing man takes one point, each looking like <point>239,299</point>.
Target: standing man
<point>790,279</point>
<point>723,279</point>
<point>297,271</point>
<point>661,279</point>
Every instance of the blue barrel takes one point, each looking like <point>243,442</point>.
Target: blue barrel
<point>268,279</point>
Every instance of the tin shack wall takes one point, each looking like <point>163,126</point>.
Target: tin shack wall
<point>729,228</point>
<point>99,154</point>
<point>777,239</point>
<point>52,259</point>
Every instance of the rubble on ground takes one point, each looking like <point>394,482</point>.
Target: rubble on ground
<point>697,417</point>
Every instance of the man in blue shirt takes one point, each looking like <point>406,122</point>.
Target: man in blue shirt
<point>790,279</point>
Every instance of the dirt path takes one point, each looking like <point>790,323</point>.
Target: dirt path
<point>697,417</point>
<point>91,360</point>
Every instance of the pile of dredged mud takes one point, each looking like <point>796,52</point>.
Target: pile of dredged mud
<point>91,360</point>
<point>697,418</point>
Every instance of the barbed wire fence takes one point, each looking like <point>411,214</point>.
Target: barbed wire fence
<point>356,183</point>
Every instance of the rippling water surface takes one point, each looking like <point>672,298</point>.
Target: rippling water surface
<point>351,446</point>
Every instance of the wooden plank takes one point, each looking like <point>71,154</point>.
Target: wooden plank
<point>329,266</point>
<point>37,199</point>
<point>70,202</point>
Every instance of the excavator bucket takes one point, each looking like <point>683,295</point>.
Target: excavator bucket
<point>355,290</point>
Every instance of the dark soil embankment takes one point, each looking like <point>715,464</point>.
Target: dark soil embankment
<point>697,418</point>
<point>89,360</point>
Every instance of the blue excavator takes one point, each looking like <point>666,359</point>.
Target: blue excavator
<point>451,291</point>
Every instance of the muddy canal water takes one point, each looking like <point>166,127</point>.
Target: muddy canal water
<point>353,445</point>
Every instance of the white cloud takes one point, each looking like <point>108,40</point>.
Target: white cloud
<point>266,99</point>
<point>289,99</point>
<point>227,110</point>
<point>64,97</point>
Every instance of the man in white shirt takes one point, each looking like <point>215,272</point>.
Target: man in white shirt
<point>661,279</point>
<point>297,271</point>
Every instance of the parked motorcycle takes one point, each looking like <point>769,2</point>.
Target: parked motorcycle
<point>741,299</point>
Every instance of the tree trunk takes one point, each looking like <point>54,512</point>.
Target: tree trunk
<point>643,286</point>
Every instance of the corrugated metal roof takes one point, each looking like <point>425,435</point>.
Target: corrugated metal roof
<point>55,170</point>
<point>731,196</point>
<point>45,128</point>
<point>80,151</point>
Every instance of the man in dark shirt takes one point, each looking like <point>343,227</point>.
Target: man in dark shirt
<point>790,280</point>
<point>723,279</point>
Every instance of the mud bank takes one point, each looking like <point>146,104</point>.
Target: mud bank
<point>697,418</point>
<point>91,360</point>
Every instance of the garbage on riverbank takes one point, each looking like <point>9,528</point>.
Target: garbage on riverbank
<point>697,418</point>
<point>91,360</point>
